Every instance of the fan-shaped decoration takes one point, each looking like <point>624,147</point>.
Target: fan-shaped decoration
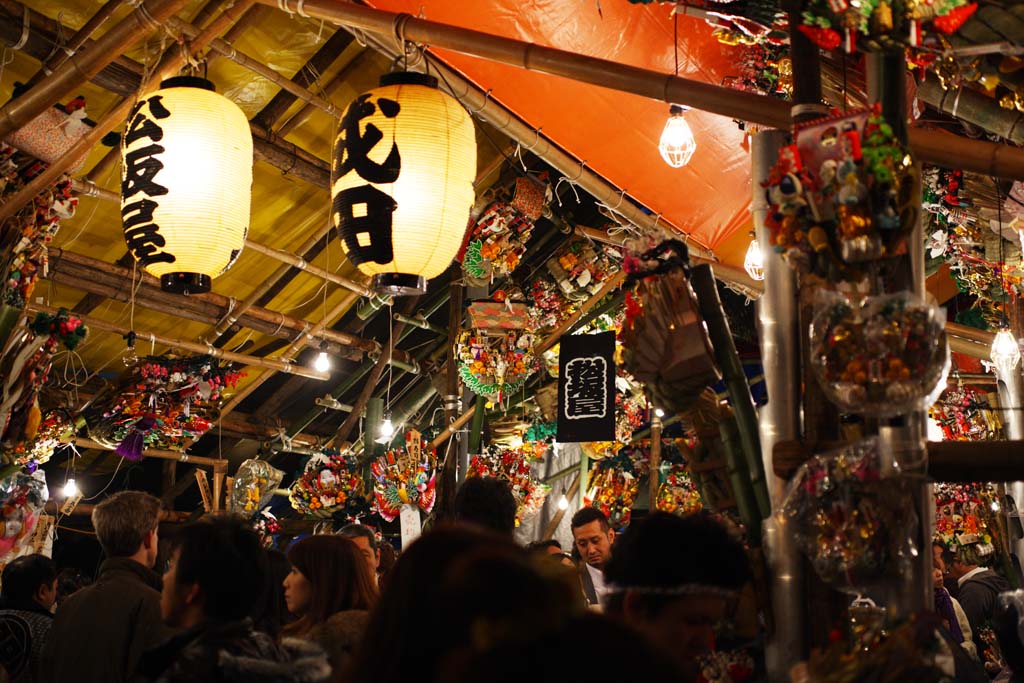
<point>53,430</point>
<point>495,366</point>
<point>404,476</point>
<point>330,483</point>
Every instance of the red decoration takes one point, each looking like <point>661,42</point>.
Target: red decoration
<point>825,38</point>
<point>954,19</point>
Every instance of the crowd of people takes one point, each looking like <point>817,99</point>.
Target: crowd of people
<point>462,603</point>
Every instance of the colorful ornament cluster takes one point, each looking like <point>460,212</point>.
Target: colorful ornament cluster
<point>677,494</point>
<point>966,521</point>
<point>880,23</point>
<point>165,404</point>
<point>22,499</point>
<point>514,465</point>
<point>879,356</point>
<point>266,525</point>
<point>404,476</point>
<point>497,242</point>
<point>495,366</point>
<point>726,666</point>
<point>852,523</point>
<point>580,268</point>
<point>330,483</point>
<point>765,69</point>
<point>614,483</point>
<point>53,430</point>
<point>841,195</point>
<point>965,414</point>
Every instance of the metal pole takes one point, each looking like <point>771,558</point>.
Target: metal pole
<point>779,420</point>
<point>1011,393</point>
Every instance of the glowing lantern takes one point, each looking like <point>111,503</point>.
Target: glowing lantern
<point>402,181</point>
<point>186,183</point>
<point>1005,351</point>
<point>677,144</point>
<point>753,262</point>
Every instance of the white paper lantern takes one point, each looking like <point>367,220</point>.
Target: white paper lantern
<point>677,144</point>
<point>753,261</point>
<point>402,181</point>
<point>186,183</point>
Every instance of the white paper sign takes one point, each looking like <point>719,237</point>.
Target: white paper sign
<point>410,521</point>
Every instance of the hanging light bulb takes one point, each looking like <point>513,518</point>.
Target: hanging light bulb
<point>70,488</point>
<point>659,412</point>
<point>563,503</point>
<point>322,362</point>
<point>387,429</point>
<point>677,144</point>
<point>1005,351</point>
<point>753,262</point>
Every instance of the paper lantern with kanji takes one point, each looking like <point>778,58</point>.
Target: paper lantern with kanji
<point>186,183</point>
<point>402,181</point>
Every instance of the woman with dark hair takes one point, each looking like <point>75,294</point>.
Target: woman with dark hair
<point>274,614</point>
<point>330,590</point>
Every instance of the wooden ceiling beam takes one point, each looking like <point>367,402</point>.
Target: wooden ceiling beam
<point>83,34</point>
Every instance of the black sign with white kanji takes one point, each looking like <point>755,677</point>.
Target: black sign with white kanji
<point>586,388</point>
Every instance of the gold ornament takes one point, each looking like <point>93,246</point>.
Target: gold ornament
<point>881,18</point>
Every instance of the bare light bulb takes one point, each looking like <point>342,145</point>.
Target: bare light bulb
<point>322,362</point>
<point>753,262</point>
<point>658,412</point>
<point>1005,351</point>
<point>563,503</point>
<point>387,429</point>
<point>677,144</point>
<point>70,488</point>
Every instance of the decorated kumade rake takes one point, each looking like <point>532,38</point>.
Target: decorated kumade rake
<point>405,476</point>
<point>496,356</point>
<point>614,485</point>
<point>165,403</point>
<point>514,466</point>
<point>330,484</point>
<point>253,485</point>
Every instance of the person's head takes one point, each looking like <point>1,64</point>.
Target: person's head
<point>548,546</point>
<point>366,540</point>
<point>487,502</point>
<point>274,614</point>
<point>672,577</point>
<point>69,582</point>
<point>397,646</point>
<point>592,536</point>
<point>964,560</point>
<point>388,558</point>
<point>126,526</point>
<point>217,571</point>
<point>30,581</point>
<point>1006,624</point>
<point>329,575</point>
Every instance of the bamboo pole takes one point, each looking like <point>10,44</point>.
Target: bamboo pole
<point>654,476</point>
<point>192,347</point>
<point>302,116</point>
<point>85,510</point>
<point>83,34</point>
<point>928,146</point>
<point>117,115</point>
<point>55,87</point>
<point>155,453</point>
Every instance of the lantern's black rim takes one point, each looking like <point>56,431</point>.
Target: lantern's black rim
<point>188,82</point>
<point>185,283</point>
<point>408,78</point>
<point>399,284</point>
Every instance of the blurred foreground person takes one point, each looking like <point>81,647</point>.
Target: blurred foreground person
<point>29,592</point>
<point>216,575</point>
<point>674,578</point>
<point>487,502</point>
<point>330,590</point>
<point>101,631</point>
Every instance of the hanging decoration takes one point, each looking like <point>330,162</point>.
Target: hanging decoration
<point>580,269</point>
<point>853,523</point>
<point>548,305</point>
<point>495,362</point>
<point>52,134</point>
<point>266,525</point>
<point>404,476</point>
<point>40,439</point>
<point>664,340</point>
<point>165,404</point>
<point>880,24</point>
<point>764,69</point>
<point>967,522</point>
<point>677,493</point>
<point>497,241</point>
<point>253,485</point>
<point>25,368</point>
<point>726,666</point>
<point>586,387</point>
<point>841,196</point>
<point>330,485</point>
<point>614,484</point>
<point>22,499</point>
<point>966,414</point>
<point>515,465</point>
<point>186,183</point>
<point>880,356</point>
<point>402,181</point>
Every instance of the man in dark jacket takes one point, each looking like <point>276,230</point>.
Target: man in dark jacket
<point>979,587</point>
<point>101,631</point>
<point>215,578</point>
<point>29,591</point>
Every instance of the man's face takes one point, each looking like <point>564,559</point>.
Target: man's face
<point>46,596</point>
<point>152,545</point>
<point>594,543</point>
<point>372,556</point>
<point>683,629</point>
